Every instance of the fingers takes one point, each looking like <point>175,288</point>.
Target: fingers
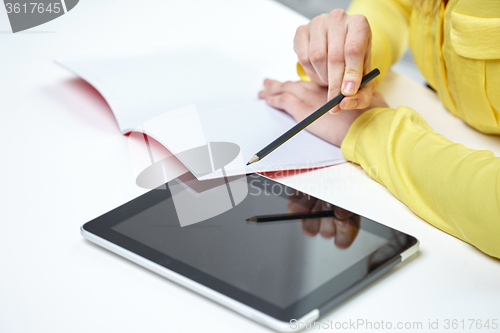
<point>361,100</point>
<point>346,232</point>
<point>335,50</point>
<point>301,48</point>
<point>356,47</point>
<point>336,40</point>
<point>299,202</point>
<point>310,227</point>
<point>327,227</point>
<point>290,97</point>
<point>296,207</point>
<point>318,47</point>
<point>299,89</point>
<point>341,213</point>
<point>290,104</point>
<point>345,235</point>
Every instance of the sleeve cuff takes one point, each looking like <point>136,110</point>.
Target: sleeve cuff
<point>348,145</point>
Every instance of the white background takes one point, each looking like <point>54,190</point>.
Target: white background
<point>64,162</point>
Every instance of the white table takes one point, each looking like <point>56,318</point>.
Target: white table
<point>64,162</point>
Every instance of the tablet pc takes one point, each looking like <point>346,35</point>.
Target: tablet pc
<point>267,251</point>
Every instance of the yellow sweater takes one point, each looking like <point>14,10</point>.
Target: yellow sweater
<point>457,50</point>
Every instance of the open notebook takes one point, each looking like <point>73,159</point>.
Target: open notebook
<point>188,98</point>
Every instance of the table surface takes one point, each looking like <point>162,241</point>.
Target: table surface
<point>64,162</point>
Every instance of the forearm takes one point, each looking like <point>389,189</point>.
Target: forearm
<point>452,187</point>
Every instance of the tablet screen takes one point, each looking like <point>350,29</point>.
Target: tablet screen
<point>277,244</point>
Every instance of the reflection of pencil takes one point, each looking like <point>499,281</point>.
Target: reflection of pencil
<point>292,216</point>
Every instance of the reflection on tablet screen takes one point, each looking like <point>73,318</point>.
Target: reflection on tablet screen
<point>277,243</point>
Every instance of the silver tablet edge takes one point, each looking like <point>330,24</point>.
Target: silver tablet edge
<point>228,302</point>
<point>409,252</point>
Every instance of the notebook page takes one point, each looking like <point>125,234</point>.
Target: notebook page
<point>185,99</point>
<point>248,123</point>
<point>142,86</point>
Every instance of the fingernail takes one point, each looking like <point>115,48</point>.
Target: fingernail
<point>349,89</point>
<point>350,104</point>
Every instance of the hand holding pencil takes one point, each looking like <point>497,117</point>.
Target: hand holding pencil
<point>334,50</point>
<point>334,135</point>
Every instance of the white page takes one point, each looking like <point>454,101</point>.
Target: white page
<point>187,98</point>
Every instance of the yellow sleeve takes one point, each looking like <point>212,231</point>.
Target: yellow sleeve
<point>454,188</point>
<point>389,22</point>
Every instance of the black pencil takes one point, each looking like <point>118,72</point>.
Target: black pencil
<point>307,121</point>
<point>291,216</point>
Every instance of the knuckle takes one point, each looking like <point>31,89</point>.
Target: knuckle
<point>354,49</point>
<point>335,57</point>
<point>274,102</point>
<point>353,72</point>
<point>282,99</point>
<point>363,100</point>
<point>358,18</point>
<point>301,29</point>
<point>361,23</point>
<point>334,88</point>
<point>303,58</point>
<point>363,104</point>
<point>317,55</point>
<point>337,14</point>
<point>317,20</point>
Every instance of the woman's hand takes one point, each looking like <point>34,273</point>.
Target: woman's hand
<point>300,99</point>
<point>335,51</point>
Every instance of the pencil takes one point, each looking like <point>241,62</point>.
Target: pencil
<point>291,216</point>
<point>307,121</point>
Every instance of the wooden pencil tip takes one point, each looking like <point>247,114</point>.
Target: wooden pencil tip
<point>254,159</point>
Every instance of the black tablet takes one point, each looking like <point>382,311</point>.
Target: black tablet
<point>272,253</point>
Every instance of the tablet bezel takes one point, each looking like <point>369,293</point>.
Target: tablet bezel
<point>323,297</point>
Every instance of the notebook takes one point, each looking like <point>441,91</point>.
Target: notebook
<point>202,105</point>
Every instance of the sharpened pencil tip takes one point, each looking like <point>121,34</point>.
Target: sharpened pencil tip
<point>254,159</point>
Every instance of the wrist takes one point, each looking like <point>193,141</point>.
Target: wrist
<point>343,123</point>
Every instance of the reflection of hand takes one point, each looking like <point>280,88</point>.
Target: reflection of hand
<point>343,227</point>
<point>300,99</point>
